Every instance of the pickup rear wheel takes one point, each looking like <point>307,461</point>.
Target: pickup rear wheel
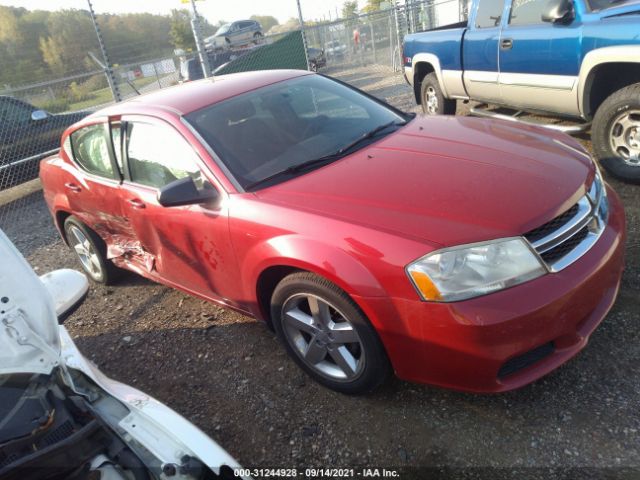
<point>91,251</point>
<point>433,100</point>
<point>327,335</point>
<point>616,134</point>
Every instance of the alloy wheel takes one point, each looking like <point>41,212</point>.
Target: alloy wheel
<point>625,137</point>
<point>86,253</point>
<point>323,337</point>
<point>432,100</point>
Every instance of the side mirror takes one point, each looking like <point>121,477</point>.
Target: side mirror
<point>68,288</point>
<point>558,11</point>
<point>184,192</point>
<point>38,115</point>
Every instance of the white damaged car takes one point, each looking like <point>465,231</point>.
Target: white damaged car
<point>60,417</point>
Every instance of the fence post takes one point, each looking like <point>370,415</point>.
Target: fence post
<point>304,37</point>
<point>397,53</point>
<point>111,80</point>
<point>373,38</point>
<point>202,53</point>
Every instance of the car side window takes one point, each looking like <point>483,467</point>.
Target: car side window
<point>527,12</point>
<point>489,13</point>
<point>158,155</point>
<point>14,113</point>
<point>91,150</point>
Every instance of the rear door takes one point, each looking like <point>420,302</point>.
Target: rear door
<point>247,31</point>
<point>480,51</point>
<point>187,246</point>
<point>92,185</point>
<point>539,61</point>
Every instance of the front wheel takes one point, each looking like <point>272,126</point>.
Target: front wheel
<point>616,134</point>
<point>433,100</point>
<point>327,335</point>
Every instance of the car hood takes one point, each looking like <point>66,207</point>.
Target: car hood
<point>448,181</point>
<point>29,339</point>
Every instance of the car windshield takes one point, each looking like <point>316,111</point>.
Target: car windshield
<point>222,30</point>
<point>280,126</point>
<point>602,4</point>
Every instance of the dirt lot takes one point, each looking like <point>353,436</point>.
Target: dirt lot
<point>228,374</point>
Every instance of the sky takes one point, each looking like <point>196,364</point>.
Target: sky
<point>212,10</point>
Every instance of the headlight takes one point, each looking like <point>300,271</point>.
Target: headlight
<point>467,271</point>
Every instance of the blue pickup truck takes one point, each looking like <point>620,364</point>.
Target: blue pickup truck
<point>577,59</point>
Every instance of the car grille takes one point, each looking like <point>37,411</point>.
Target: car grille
<point>570,235</point>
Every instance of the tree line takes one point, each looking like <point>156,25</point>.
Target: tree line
<point>40,45</point>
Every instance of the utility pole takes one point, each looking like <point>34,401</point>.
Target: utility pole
<point>108,71</point>
<point>304,37</point>
<point>197,36</point>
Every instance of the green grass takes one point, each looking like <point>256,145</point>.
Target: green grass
<point>102,96</point>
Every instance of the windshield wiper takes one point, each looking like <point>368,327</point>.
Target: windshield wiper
<point>341,152</point>
<point>368,135</point>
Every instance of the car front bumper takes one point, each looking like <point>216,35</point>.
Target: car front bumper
<point>508,339</point>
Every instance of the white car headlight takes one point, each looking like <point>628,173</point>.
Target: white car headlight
<point>468,271</point>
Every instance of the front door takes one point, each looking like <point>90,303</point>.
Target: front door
<point>186,246</point>
<point>539,61</point>
<point>480,52</point>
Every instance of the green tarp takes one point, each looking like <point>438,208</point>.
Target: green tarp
<point>287,52</point>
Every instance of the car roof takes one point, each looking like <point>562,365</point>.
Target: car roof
<point>189,97</point>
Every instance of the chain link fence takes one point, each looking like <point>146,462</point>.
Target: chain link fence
<point>70,63</point>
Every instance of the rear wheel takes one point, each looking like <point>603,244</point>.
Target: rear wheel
<point>91,251</point>
<point>257,38</point>
<point>433,100</point>
<point>616,134</point>
<point>327,334</point>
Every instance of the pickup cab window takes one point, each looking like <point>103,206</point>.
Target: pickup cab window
<point>602,4</point>
<point>489,13</point>
<point>527,12</point>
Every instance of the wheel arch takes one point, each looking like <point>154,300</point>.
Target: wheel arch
<point>268,263</point>
<point>605,71</point>
<point>59,218</point>
<point>424,64</point>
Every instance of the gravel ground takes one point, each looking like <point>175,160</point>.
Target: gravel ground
<point>228,374</point>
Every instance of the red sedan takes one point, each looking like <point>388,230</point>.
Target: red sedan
<point>466,253</point>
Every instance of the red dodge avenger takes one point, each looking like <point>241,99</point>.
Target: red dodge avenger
<point>466,253</point>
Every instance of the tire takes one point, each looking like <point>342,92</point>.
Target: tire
<point>313,66</point>
<point>615,134</point>
<point>337,347</point>
<point>95,263</point>
<point>257,37</point>
<point>432,99</point>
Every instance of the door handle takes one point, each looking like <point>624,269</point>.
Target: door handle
<point>73,187</point>
<point>506,44</point>
<point>136,203</point>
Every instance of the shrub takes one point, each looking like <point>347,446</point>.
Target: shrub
<point>55,105</point>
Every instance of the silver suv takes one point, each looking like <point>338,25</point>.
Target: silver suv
<point>235,34</point>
